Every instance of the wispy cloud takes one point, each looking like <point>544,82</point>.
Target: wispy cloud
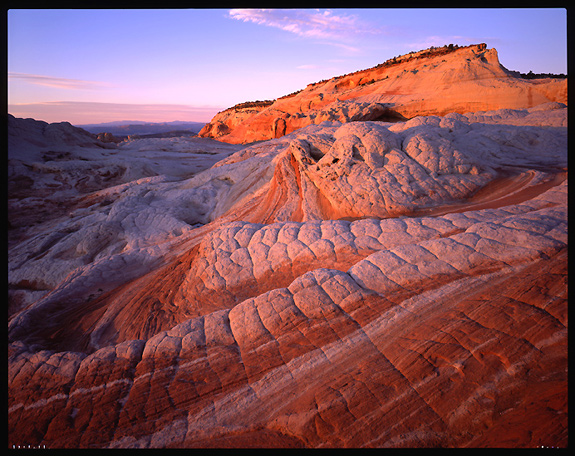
<point>309,66</point>
<point>318,24</point>
<point>59,83</point>
<point>86,112</point>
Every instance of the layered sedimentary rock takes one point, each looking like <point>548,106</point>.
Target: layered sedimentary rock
<point>430,82</point>
<point>62,183</point>
<point>365,284</point>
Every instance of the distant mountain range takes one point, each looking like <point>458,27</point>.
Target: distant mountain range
<point>134,127</point>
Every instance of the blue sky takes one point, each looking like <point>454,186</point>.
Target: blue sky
<point>90,65</point>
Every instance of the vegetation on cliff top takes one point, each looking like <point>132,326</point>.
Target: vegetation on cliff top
<point>432,51</point>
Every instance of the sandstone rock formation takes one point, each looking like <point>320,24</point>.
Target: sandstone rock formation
<point>62,180</point>
<point>363,284</point>
<point>429,82</point>
<point>108,138</point>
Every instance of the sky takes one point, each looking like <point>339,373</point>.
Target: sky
<point>101,65</point>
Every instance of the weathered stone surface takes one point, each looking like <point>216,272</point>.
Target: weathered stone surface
<point>467,79</point>
<point>371,357</point>
<point>363,284</point>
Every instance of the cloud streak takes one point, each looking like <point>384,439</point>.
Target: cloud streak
<point>59,83</point>
<point>87,112</point>
<point>309,66</point>
<point>323,25</point>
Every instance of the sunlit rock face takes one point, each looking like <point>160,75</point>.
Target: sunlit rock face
<point>430,82</point>
<point>348,284</point>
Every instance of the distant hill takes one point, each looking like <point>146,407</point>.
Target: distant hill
<point>133,127</point>
<point>434,81</point>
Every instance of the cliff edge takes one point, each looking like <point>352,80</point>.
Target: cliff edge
<point>434,81</point>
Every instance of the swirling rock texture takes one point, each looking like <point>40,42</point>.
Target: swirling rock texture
<point>430,82</point>
<point>361,284</point>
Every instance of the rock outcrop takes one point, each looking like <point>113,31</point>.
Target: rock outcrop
<point>27,133</point>
<point>362,284</point>
<point>429,82</point>
<point>108,138</point>
<point>61,185</point>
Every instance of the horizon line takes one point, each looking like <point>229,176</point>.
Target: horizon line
<point>95,112</point>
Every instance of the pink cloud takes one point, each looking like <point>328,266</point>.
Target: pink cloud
<point>307,23</point>
<point>79,112</point>
<point>59,83</point>
<point>310,66</point>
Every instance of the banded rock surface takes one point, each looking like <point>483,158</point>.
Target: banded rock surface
<point>248,305</point>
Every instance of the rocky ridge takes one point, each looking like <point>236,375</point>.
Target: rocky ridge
<point>430,82</point>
